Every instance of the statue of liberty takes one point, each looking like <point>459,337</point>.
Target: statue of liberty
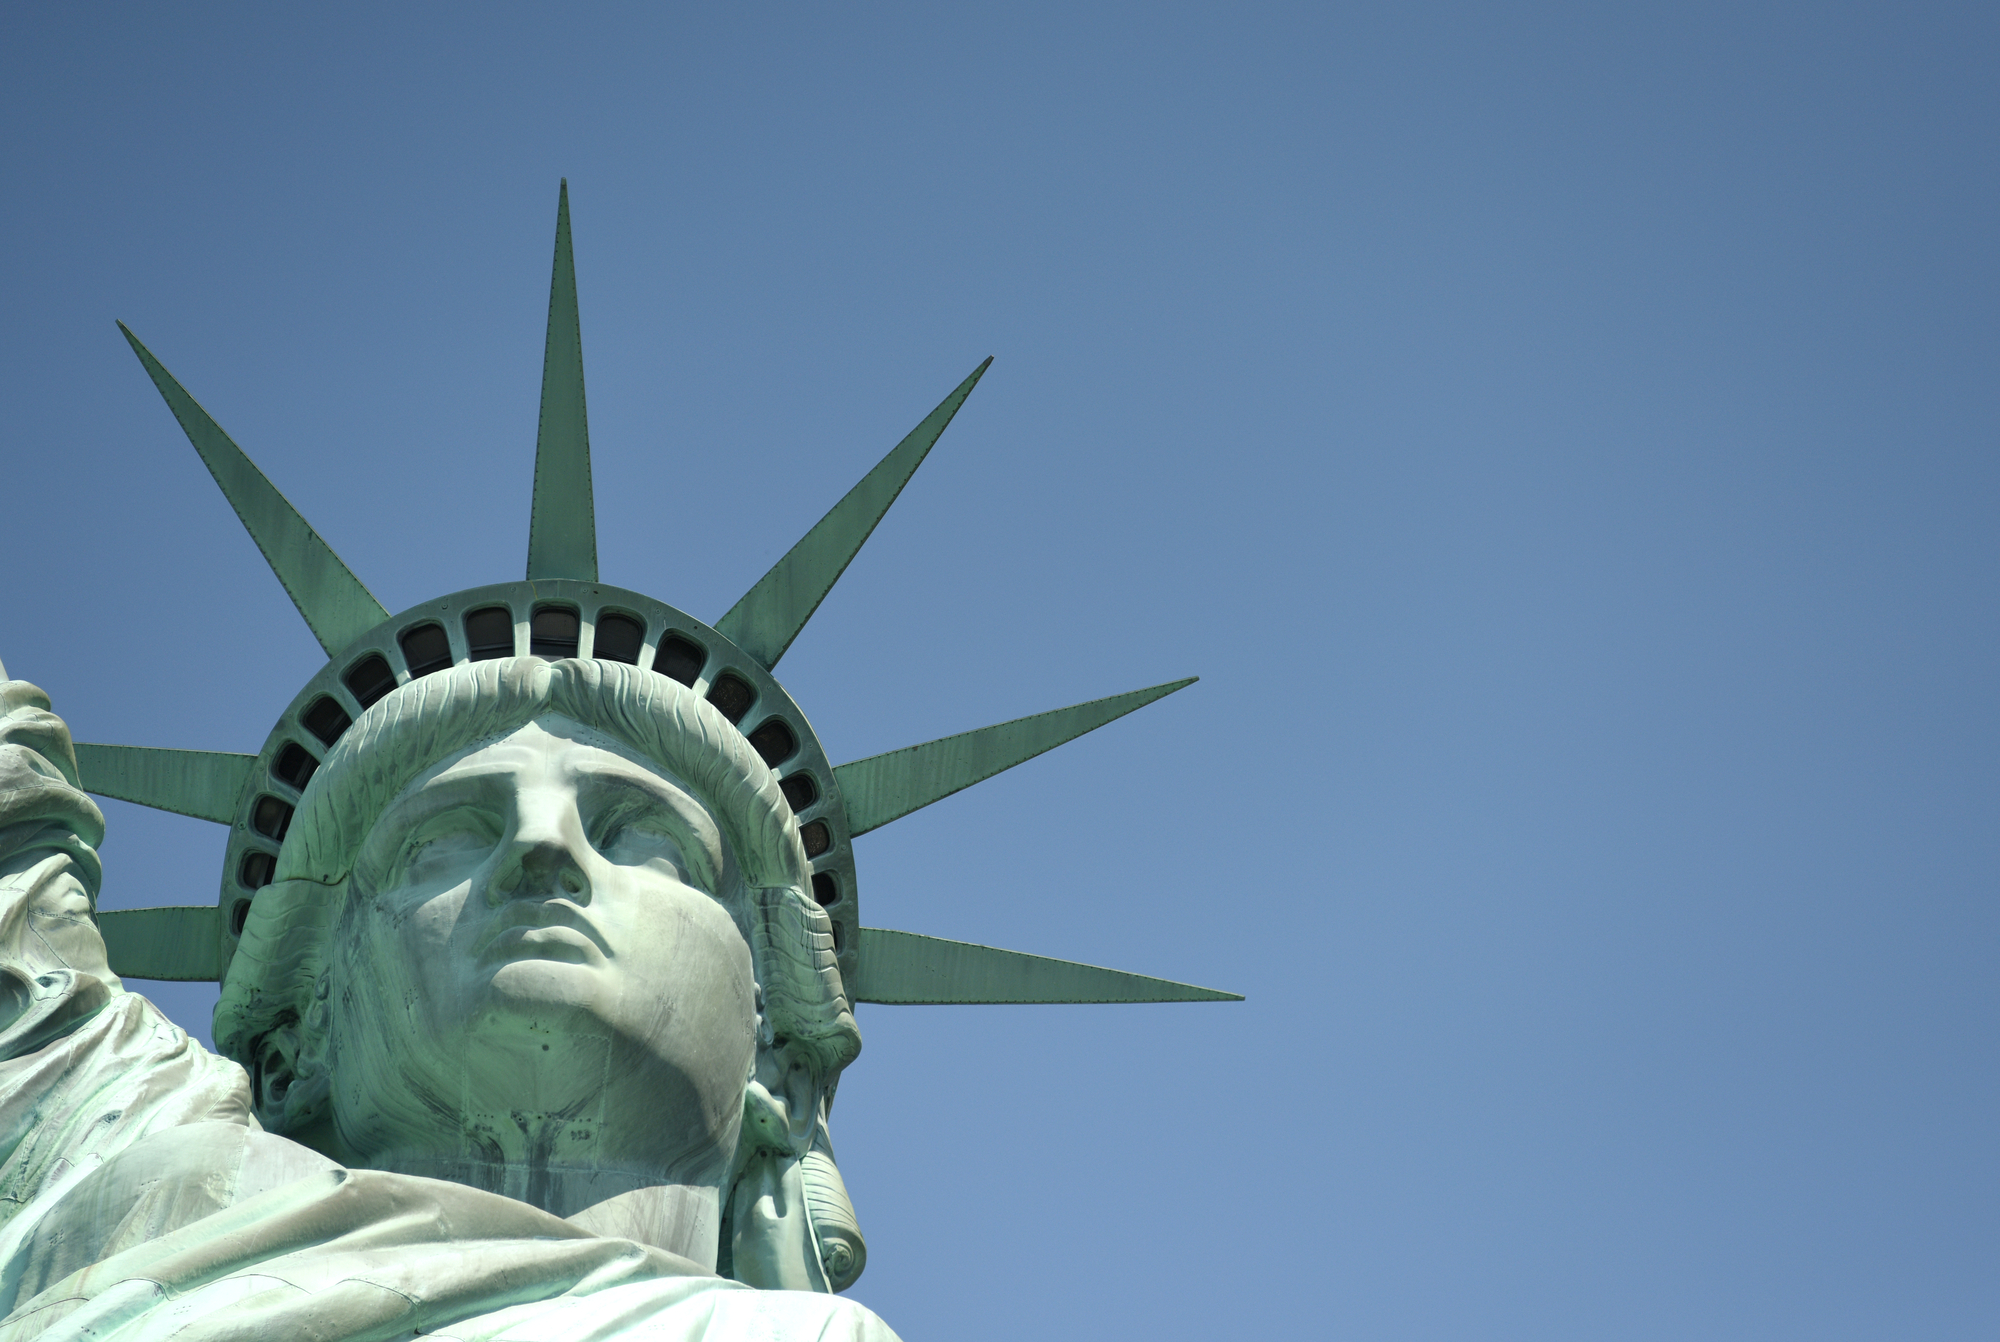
<point>539,951</point>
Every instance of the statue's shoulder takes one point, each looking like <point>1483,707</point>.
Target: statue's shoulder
<point>115,1072</point>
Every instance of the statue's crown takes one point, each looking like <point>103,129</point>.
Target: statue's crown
<point>562,610</point>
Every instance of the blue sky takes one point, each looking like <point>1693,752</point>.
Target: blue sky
<point>1561,438</point>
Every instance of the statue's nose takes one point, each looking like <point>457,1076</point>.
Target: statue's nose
<point>542,869</point>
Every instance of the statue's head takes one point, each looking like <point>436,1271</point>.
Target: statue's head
<point>508,889</point>
<point>535,915</point>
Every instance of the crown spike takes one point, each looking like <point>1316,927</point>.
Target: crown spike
<point>771,614</point>
<point>336,607</point>
<point>907,969</point>
<point>202,783</point>
<point>562,525</point>
<point>888,787</point>
<point>174,943</point>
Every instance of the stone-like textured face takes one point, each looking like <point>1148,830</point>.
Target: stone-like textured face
<point>538,970</point>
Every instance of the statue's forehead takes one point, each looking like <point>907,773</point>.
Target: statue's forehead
<point>550,750</point>
<point>549,742</point>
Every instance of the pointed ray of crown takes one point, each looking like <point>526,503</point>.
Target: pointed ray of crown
<point>562,524</point>
<point>771,614</point>
<point>336,607</point>
<point>562,610</point>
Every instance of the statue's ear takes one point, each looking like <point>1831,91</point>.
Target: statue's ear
<point>274,1070</point>
<point>782,1102</point>
<point>768,1235</point>
<point>288,1075</point>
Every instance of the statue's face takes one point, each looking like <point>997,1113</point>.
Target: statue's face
<point>537,965</point>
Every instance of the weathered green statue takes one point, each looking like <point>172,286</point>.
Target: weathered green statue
<point>539,955</point>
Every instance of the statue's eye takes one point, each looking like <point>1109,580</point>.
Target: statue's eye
<point>634,838</point>
<point>447,842</point>
<point>610,826</point>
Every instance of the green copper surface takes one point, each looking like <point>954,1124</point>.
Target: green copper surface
<point>905,969</point>
<point>462,1106</point>
<point>771,614</point>
<point>888,787</point>
<point>205,784</point>
<point>336,607</point>
<point>167,943</point>
<point>562,528</point>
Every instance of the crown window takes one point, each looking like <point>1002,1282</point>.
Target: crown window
<point>619,638</point>
<point>774,741</point>
<point>295,765</point>
<point>255,873</point>
<point>326,719</point>
<point>678,659</point>
<point>425,649</point>
<point>554,632</point>
<point>370,679</point>
<point>731,696</point>
<point>271,817</point>
<point>489,633</point>
<point>800,791</point>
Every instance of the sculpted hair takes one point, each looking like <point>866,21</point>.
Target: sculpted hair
<point>276,977</point>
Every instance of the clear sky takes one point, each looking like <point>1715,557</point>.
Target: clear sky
<point>1561,438</point>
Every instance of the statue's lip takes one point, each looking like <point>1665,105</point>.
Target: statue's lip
<point>542,943</point>
<point>515,931</point>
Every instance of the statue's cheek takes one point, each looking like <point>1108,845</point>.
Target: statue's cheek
<point>392,947</point>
